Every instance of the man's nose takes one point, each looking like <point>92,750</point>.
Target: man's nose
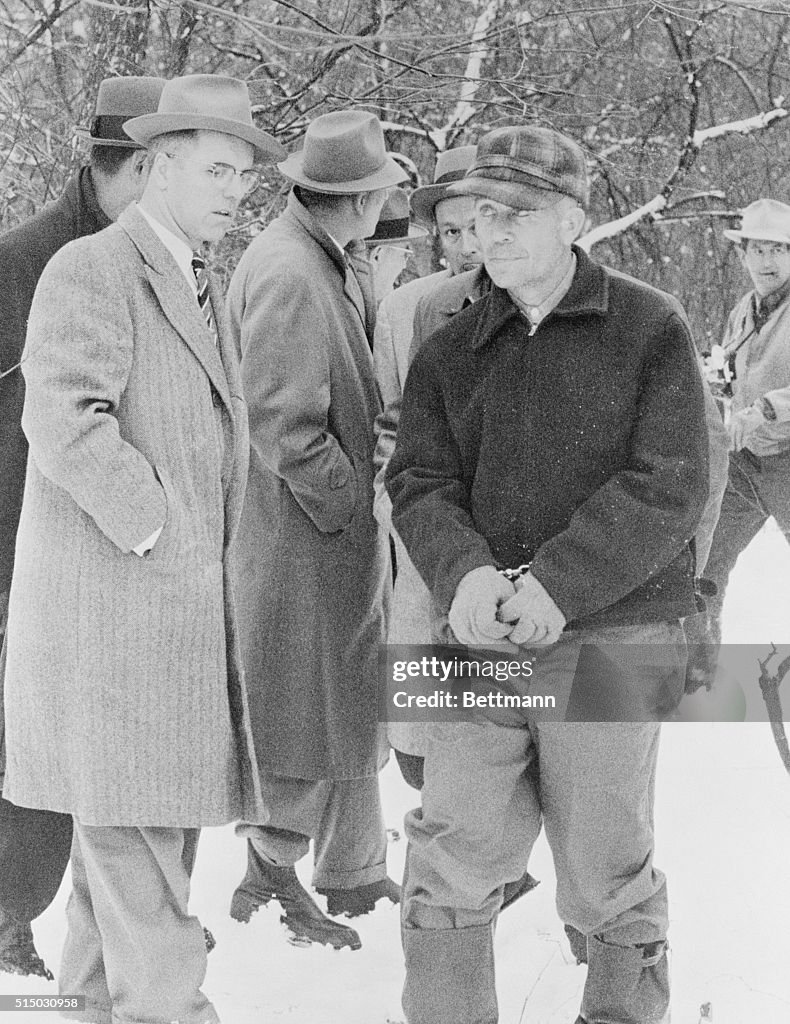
<point>469,243</point>
<point>235,189</point>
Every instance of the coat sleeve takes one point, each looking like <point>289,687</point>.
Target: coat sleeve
<point>13,446</point>
<point>428,488</point>
<point>719,465</point>
<point>643,516</point>
<point>76,363</point>
<point>282,327</point>
<point>386,425</point>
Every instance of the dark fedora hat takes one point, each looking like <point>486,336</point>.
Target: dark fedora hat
<point>118,100</point>
<point>394,226</point>
<point>343,153</point>
<point>451,165</point>
<point>526,166</point>
<point>212,103</point>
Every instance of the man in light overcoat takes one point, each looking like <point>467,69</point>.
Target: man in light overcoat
<point>124,695</point>
<point>312,566</point>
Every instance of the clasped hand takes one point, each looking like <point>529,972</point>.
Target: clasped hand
<point>488,609</point>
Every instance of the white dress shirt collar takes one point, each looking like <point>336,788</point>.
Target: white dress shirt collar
<point>179,249</point>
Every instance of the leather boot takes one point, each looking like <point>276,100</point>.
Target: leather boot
<point>302,916</point>
<point>449,976</point>
<point>360,899</point>
<point>626,984</point>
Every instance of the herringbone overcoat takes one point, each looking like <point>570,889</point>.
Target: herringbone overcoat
<point>124,695</point>
<point>312,564</point>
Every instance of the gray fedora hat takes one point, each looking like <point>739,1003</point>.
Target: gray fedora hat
<point>451,165</point>
<point>117,101</point>
<point>394,227</point>
<point>343,153</point>
<point>212,103</point>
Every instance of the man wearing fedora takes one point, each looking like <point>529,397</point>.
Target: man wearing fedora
<point>312,566</point>
<point>124,694</point>
<point>389,247</point>
<point>750,372</point>
<point>34,844</point>
<point>451,218</point>
<point>550,469</point>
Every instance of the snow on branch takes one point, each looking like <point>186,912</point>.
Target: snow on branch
<point>744,127</point>
<point>617,227</point>
<point>478,51</point>
<point>654,208</point>
<point>464,109</point>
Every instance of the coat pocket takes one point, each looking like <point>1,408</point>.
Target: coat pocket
<point>165,550</point>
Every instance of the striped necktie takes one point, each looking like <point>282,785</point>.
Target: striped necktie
<point>203,297</point>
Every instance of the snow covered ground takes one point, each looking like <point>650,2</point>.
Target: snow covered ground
<point>723,825</point>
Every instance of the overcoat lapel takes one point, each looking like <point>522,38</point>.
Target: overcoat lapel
<point>176,300</point>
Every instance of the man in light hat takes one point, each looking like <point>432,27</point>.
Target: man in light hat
<point>124,694</point>
<point>752,375</point>
<point>34,845</point>
<point>550,469</point>
<point>312,564</point>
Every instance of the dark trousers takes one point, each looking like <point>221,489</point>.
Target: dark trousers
<point>34,852</point>
<point>34,847</point>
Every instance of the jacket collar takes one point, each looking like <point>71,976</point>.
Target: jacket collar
<point>314,229</point>
<point>80,195</point>
<point>177,300</point>
<point>342,260</point>
<point>466,288</point>
<point>587,295</point>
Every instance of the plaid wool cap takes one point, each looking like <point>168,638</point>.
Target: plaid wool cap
<point>525,167</point>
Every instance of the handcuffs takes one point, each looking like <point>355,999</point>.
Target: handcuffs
<point>515,574</point>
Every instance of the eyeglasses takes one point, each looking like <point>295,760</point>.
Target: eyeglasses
<point>223,174</point>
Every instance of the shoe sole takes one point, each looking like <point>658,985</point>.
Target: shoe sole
<point>303,934</point>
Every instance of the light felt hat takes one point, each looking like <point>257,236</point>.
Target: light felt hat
<point>118,100</point>
<point>765,220</point>
<point>394,227</point>
<point>343,154</point>
<point>451,166</point>
<point>212,103</point>
<point>526,167</point>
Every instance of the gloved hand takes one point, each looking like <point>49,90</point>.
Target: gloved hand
<point>741,426</point>
<point>538,620</point>
<point>473,613</point>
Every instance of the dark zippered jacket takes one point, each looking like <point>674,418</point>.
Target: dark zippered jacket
<point>582,449</point>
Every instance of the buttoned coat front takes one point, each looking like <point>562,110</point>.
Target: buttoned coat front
<point>124,696</point>
<point>311,561</point>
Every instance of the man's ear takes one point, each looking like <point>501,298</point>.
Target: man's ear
<point>574,222</point>
<point>359,202</point>
<point>139,163</point>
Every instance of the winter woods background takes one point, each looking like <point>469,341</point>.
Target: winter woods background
<point>679,105</point>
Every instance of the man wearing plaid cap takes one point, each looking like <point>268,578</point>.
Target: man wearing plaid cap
<point>551,467</point>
